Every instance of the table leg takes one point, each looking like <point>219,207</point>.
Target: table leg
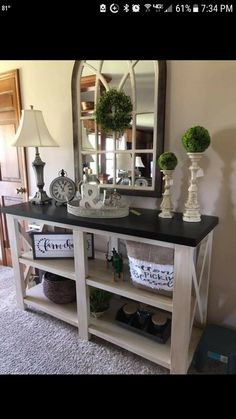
<point>14,238</point>
<point>82,293</point>
<point>181,316</point>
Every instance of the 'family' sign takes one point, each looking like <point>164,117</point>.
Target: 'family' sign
<point>52,245</point>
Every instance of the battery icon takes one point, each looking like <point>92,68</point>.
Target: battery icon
<point>195,8</point>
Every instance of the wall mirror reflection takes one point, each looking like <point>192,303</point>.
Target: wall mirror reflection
<point>126,161</point>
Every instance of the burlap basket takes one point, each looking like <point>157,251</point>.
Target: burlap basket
<point>151,267</point>
<point>58,289</point>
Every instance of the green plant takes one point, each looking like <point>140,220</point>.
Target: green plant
<point>99,299</point>
<point>196,139</point>
<point>167,161</point>
<point>113,111</point>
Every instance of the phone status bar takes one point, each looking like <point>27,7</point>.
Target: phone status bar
<point>150,8</point>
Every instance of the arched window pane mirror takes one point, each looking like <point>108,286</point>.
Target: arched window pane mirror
<point>126,162</point>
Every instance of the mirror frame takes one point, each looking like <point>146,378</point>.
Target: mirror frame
<point>160,115</point>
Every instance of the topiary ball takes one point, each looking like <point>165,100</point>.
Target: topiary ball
<point>113,111</point>
<point>196,139</point>
<point>167,161</point>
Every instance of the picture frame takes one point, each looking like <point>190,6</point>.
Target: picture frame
<point>52,245</point>
<point>58,245</point>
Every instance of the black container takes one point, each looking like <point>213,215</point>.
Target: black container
<point>142,324</point>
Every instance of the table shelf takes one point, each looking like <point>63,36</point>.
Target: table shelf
<point>106,328</point>
<point>101,277</point>
<point>35,298</point>
<point>63,267</point>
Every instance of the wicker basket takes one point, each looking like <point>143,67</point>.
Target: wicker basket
<point>151,267</point>
<point>58,289</point>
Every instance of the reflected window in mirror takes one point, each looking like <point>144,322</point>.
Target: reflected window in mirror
<point>126,161</point>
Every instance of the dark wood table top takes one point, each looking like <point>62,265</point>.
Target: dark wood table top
<point>147,224</point>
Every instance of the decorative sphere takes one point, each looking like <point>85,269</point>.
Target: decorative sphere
<point>167,161</point>
<point>196,139</point>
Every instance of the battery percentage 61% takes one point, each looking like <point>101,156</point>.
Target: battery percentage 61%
<point>183,8</point>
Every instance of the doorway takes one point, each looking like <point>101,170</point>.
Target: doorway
<point>13,174</point>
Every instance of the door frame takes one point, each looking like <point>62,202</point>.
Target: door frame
<point>14,74</point>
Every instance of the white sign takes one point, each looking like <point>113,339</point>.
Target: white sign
<point>52,245</point>
<point>55,245</point>
<point>152,275</point>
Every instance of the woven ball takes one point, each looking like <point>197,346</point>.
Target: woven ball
<point>58,289</point>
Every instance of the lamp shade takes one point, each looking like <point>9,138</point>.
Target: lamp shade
<point>32,131</point>
<point>89,158</point>
<point>124,161</point>
<point>138,162</point>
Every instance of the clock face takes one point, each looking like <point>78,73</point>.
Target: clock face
<point>62,189</point>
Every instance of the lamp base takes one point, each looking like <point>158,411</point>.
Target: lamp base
<point>41,198</point>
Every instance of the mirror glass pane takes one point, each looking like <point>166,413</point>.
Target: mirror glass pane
<point>144,131</point>
<point>126,87</point>
<point>91,66</point>
<point>105,168</point>
<point>88,134</point>
<point>105,141</point>
<point>124,169</point>
<point>143,170</point>
<point>115,70</point>
<point>145,86</point>
<point>89,164</point>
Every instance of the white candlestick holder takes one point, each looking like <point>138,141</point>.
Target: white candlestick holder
<point>192,207</point>
<point>166,205</point>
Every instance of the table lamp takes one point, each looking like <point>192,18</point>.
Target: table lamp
<point>32,132</point>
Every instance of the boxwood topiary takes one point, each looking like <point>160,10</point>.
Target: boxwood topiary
<point>167,161</point>
<point>196,139</point>
<point>113,111</point>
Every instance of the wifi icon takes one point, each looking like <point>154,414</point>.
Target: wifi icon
<point>148,6</point>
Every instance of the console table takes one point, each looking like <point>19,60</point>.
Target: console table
<point>192,244</point>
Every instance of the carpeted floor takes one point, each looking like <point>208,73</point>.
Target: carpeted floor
<point>32,342</point>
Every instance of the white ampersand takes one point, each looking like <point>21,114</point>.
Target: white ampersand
<point>90,196</point>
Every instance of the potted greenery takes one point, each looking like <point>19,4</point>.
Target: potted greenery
<point>167,161</point>
<point>114,111</point>
<point>196,139</point>
<point>99,301</point>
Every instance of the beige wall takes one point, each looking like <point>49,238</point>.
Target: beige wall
<point>198,93</point>
<point>46,86</point>
<point>204,93</point>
